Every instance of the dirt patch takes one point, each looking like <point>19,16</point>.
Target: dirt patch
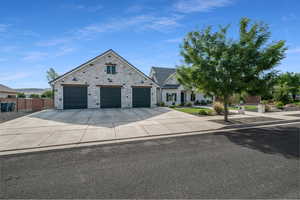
<point>6,116</point>
<point>245,120</point>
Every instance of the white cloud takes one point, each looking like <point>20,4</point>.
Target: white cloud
<point>188,6</point>
<point>35,56</point>
<point>140,22</point>
<point>13,77</point>
<point>3,28</point>
<point>64,51</point>
<point>53,42</point>
<point>174,40</point>
<point>294,50</point>
<point>90,8</point>
<point>289,17</point>
<point>8,49</point>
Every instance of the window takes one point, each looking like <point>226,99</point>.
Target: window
<point>193,96</point>
<point>111,69</point>
<point>171,97</point>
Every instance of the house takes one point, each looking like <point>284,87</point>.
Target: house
<point>170,91</point>
<point>6,92</point>
<point>106,81</point>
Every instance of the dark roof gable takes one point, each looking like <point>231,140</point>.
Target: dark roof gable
<point>162,73</point>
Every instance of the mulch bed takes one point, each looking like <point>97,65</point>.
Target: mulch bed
<point>244,120</point>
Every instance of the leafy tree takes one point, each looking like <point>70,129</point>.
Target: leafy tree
<point>47,94</point>
<point>218,65</point>
<point>291,82</point>
<point>34,96</point>
<point>51,74</point>
<point>21,95</point>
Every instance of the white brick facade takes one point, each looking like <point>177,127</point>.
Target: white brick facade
<point>94,74</point>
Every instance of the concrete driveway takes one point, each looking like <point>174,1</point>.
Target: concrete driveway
<point>54,128</point>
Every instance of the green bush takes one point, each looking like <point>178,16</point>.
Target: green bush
<point>202,112</point>
<point>172,106</point>
<point>279,105</point>
<point>21,95</point>
<point>218,107</point>
<point>188,104</point>
<point>197,102</point>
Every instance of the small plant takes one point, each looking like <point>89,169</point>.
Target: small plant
<point>181,104</point>
<point>265,102</point>
<point>218,107</point>
<point>172,106</point>
<point>279,105</point>
<point>203,102</point>
<point>161,104</point>
<point>197,102</point>
<point>188,104</point>
<point>202,112</point>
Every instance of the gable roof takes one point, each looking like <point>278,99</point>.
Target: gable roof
<point>4,88</point>
<point>99,56</point>
<point>161,74</point>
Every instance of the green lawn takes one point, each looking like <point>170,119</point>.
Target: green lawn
<point>193,111</point>
<point>233,108</point>
<point>251,107</point>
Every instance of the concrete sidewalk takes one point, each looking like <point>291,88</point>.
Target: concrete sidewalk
<point>51,128</point>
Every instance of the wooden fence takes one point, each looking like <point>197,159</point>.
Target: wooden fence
<point>29,104</point>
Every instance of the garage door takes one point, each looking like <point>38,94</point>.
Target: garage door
<point>110,97</point>
<point>75,97</point>
<point>141,97</point>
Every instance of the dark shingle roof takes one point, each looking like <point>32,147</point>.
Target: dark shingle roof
<point>170,86</point>
<point>162,73</point>
<point>4,88</point>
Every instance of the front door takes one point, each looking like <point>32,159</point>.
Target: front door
<point>182,98</point>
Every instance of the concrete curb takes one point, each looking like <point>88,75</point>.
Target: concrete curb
<point>142,138</point>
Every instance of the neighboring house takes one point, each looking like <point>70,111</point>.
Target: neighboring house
<point>171,92</point>
<point>106,81</point>
<point>6,92</point>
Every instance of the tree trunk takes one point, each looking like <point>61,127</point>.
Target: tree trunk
<point>294,97</point>
<point>225,109</point>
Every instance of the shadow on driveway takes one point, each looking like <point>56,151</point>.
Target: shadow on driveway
<point>282,140</point>
<point>98,117</point>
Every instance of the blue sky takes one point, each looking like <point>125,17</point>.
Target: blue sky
<point>38,34</point>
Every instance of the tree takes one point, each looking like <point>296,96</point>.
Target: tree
<point>218,65</point>
<point>291,82</point>
<point>21,95</point>
<point>47,94</point>
<point>51,74</point>
<point>34,96</point>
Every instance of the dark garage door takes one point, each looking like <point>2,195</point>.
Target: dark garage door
<point>110,97</point>
<point>141,97</point>
<point>75,97</point>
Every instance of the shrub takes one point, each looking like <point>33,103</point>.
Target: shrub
<point>265,102</point>
<point>203,102</point>
<point>279,105</point>
<point>188,104</point>
<point>172,106</point>
<point>203,112</point>
<point>218,107</point>
<point>197,102</point>
<point>267,108</point>
<point>161,104</point>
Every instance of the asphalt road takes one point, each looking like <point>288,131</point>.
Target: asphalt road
<point>253,163</point>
